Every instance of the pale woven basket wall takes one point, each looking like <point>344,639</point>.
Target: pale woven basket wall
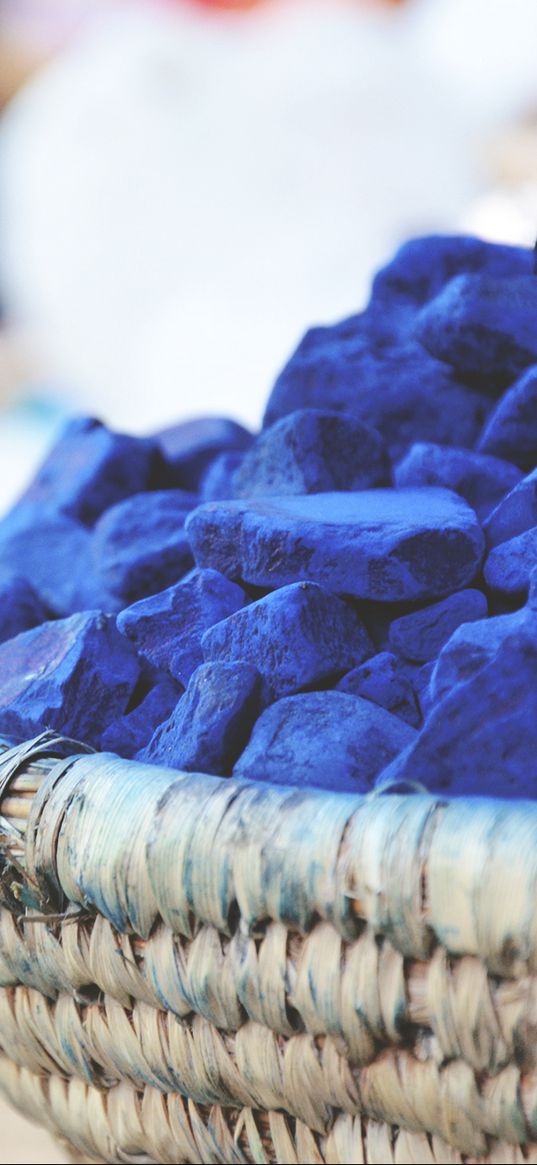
<point>197,970</point>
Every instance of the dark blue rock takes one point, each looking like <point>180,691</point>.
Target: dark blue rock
<point>90,468</point>
<point>328,740</point>
<point>140,545</point>
<point>53,553</point>
<point>75,675</point>
<point>483,327</point>
<point>420,635</point>
<point>481,738</point>
<point>511,429</point>
<point>472,647</point>
<point>481,479</point>
<point>167,627</point>
<point>130,733</point>
<point>190,446</point>
<point>516,512</point>
<point>384,681</point>
<point>217,481</point>
<point>211,723</point>
<point>297,636</point>
<point>401,391</point>
<point>386,544</point>
<point>20,606</point>
<point>312,451</point>
<point>508,567</point>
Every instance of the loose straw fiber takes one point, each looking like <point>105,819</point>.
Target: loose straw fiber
<point>201,970</point>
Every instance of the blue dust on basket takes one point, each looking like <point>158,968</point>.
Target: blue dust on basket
<point>346,600</point>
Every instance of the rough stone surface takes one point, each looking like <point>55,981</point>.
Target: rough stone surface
<point>211,723</point>
<point>516,512</point>
<point>483,326</point>
<point>190,446</point>
<point>217,481</point>
<point>420,635</point>
<point>53,553</point>
<point>508,567</point>
<point>167,628</point>
<point>91,468</point>
<point>470,648</point>
<point>481,738</point>
<point>20,606</point>
<point>75,675</point>
<point>140,545</point>
<point>297,636</point>
<point>401,391</point>
<point>481,479</point>
<point>386,545</point>
<point>312,451</point>
<point>130,733</point>
<point>329,740</point>
<point>384,681</point>
<point>511,429</point>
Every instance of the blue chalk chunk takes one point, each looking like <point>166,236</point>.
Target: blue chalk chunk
<point>132,732</point>
<point>481,479</point>
<point>516,512</point>
<point>328,740</point>
<point>53,553</point>
<point>422,266</point>
<point>211,723</point>
<point>511,429</point>
<point>75,675</point>
<point>384,680</point>
<point>140,545</point>
<point>217,481</point>
<point>21,607</point>
<point>312,451</point>
<point>420,635</point>
<point>481,738</point>
<point>508,567</point>
<point>483,327</point>
<point>190,446</point>
<point>401,391</point>
<point>297,636</point>
<point>91,468</point>
<point>167,627</point>
<point>375,544</point>
<point>471,647</point>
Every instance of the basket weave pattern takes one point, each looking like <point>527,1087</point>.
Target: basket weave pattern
<point>198,970</point>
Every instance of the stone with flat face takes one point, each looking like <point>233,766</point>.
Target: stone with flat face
<point>75,675</point>
<point>190,446</point>
<point>140,545</point>
<point>420,635</point>
<point>384,680</point>
<point>509,566</point>
<point>385,545</point>
<point>21,607</point>
<point>511,429</point>
<point>516,512</point>
<point>297,636</point>
<point>482,480</point>
<point>328,740</point>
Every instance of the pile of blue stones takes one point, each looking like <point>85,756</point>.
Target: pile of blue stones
<point>346,600</point>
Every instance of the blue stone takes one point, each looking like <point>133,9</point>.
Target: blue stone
<point>511,429</point>
<point>481,479</point>
<point>91,468</point>
<point>131,732</point>
<point>297,636</point>
<point>384,680</point>
<point>21,607</point>
<point>53,553</point>
<point>420,635</point>
<point>328,740</point>
<point>190,446</point>
<point>481,737</point>
<point>166,628</point>
<point>140,545</point>
<point>471,648</point>
<point>211,723</point>
<point>483,327</point>
<point>516,512</point>
<point>312,451</point>
<point>401,391</point>
<point>217,481</point>
<point>508,567</point>
<point>75,675</point>
<point>386,545</point>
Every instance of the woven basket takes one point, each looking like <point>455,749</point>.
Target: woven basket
<point>197,970</point>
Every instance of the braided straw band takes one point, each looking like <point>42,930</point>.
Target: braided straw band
<point>189,964</point>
